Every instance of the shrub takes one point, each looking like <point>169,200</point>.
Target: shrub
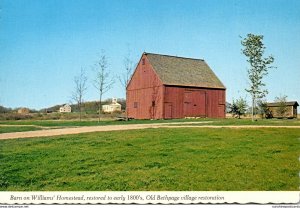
<point>238,107</point>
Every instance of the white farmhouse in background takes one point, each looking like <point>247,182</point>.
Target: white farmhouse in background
<point>65,109</point>
<point>114,106</point>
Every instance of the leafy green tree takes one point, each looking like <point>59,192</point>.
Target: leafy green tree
<point>238,107</point>
<point>262,109</point>
<point>282,107</point>
<point>233,108</point>
<point>259,66</point>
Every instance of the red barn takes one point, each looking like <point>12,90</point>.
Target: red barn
<point>166,87</point>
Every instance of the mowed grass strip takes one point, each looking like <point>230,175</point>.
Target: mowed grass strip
<point>154,160</point>
<point>31,125</point>
<point>206,121</point>
<point>241,122</point>
<point>8,129</point>
<point>72,123</point>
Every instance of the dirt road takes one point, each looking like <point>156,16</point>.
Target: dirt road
<point>87,129</point>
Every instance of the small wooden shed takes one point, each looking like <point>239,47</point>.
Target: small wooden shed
<point>166,87</point>
<point>291,109</point>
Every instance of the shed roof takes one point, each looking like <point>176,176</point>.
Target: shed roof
<point>290,103</point>
<point>173,70</point>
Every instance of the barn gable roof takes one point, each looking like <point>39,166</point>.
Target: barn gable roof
<point>180,71</point>
<point>290,103</point>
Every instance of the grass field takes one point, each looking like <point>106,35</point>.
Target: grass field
<point>73,123</point>
<point>258,122</point>
<point>154,159</point>
<point>8,129</point>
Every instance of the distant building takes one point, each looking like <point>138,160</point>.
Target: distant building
<point>23,111</point>
<point>113,107</point>
<point>291,109</point>
<point>65,109</point>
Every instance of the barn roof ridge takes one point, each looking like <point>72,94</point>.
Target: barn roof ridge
<point>146,53</point>
<point>288,103</point>
<point>180,71</point>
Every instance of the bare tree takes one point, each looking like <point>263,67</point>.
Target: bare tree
<point>103,81</point>
<point>80,89</point>
<point>124,78</point>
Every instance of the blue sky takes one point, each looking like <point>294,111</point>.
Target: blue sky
<point>44,44</point>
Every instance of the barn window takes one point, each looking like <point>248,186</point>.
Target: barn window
<point>143,61</point>
<point>153,103</point>
<point>135,104</point>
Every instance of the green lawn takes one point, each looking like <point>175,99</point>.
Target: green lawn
<point>7,129</point>
<point>239,122</point>
<point>154,160</point>
<point>70,123</point>
<point>230,121</point>
<point>258,122</point>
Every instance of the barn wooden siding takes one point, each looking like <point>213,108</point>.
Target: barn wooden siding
<point>183,102</point>
<point>149,98</point>
<point>145,88</point>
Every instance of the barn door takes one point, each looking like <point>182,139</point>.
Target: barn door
<point>200,103</point>
<point>194,104</point>
<point>168,111</point>
<point>187,102</point>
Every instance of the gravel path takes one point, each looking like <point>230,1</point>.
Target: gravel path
<point>87,129</point>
